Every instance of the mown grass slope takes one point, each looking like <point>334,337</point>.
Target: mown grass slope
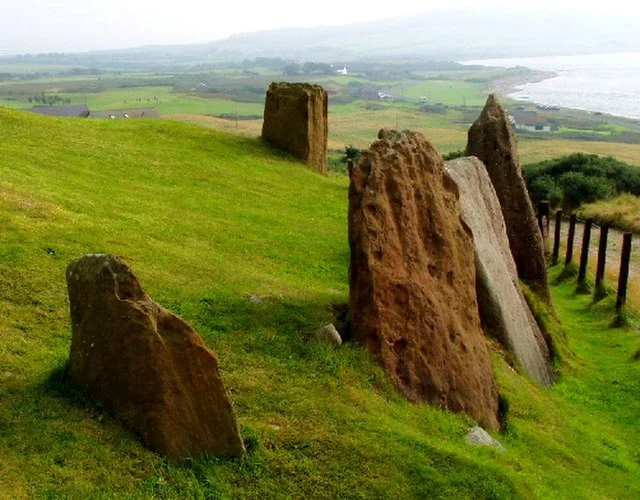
<point>207,219</point>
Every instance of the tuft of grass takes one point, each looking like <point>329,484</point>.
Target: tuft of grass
<point>551,328</point>
<point>601,291</point>
<point>568,272</point>
<point>585,287</point>
<point>621,319</point>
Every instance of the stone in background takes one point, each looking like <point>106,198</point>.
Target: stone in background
<point>492,140</point>
<point>295,119</point>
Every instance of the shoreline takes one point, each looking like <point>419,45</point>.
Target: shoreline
<point>506,85</point>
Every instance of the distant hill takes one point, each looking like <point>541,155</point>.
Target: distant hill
<point>450,35</point>
<point>445,34</point>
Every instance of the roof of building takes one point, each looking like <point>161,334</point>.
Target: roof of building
<point>75,111</point>
<point>530,118</point>
<point>126,113</point>
<point>520,114</point>
<point>535,120</point>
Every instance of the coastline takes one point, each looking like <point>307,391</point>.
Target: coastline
<point>601,84</point>
<point>503,86</point>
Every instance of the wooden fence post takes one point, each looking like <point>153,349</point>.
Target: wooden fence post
<point>543,223</point>
<point>572,233</point>
<point>584,254</point>
<point>623,277</point>
<point>556,238</point>
<point>599,288</point>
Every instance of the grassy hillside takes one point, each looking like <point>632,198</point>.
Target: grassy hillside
<point>207,219</point>
<point>622,212</point>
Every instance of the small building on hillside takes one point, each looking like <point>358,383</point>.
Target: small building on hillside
<point>67,111</point>
<point>126,113</point>
<point>529,121</point>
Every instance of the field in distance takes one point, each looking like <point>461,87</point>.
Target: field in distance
<point>439,102</point>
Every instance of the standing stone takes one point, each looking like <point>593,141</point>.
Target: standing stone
<point>412,278</point>
<point>146,365</point>
<point>492,140</point>
<point>504,311</point>
<point>295,119</point>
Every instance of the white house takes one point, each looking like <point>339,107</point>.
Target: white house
<point>529,121</point>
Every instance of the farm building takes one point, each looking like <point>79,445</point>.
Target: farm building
<point>126,113</point>
<point>72,111</point>
<point>529,121</point>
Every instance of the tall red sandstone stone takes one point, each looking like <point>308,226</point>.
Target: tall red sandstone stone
<point>492,140</point>
<point>412,278</point>
<point>295,119</point>
<point>146,365</point>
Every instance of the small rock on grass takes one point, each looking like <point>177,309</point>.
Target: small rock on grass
<point>328,334</point>
<point>477,436</point>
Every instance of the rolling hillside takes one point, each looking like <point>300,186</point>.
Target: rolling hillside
<point>206,220</point>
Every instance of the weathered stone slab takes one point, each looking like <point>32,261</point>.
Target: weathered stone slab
<point>146,365</point>
<point>412,277</point>
<point>492,140</point>
<point>295,119</point>
<point>504,311</point>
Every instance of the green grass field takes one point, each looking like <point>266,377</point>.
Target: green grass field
<point>165,100</point>
<point>206,219</point>
<point>26,68</point>
<point>350,122</point>
<point>161,97</point>
<point>450,92</point>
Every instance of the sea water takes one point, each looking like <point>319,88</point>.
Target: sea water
<point>607,83</point>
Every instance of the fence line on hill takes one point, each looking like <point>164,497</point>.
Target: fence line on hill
<point>612,257</point>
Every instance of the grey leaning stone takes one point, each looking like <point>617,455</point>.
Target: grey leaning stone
<point>477,436</point>
<point>328,334</point>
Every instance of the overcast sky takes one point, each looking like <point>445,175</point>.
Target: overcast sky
<point>81,25</point>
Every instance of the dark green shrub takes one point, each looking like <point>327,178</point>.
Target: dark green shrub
<point>547,188</point>
<point>351,153</point>
<point>579,188</point>
<point>580,178</point>
<point>455,154</point>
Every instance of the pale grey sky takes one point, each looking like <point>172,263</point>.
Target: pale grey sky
<point>81,25</point>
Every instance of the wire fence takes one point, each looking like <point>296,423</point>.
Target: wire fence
<point>607,260</point>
